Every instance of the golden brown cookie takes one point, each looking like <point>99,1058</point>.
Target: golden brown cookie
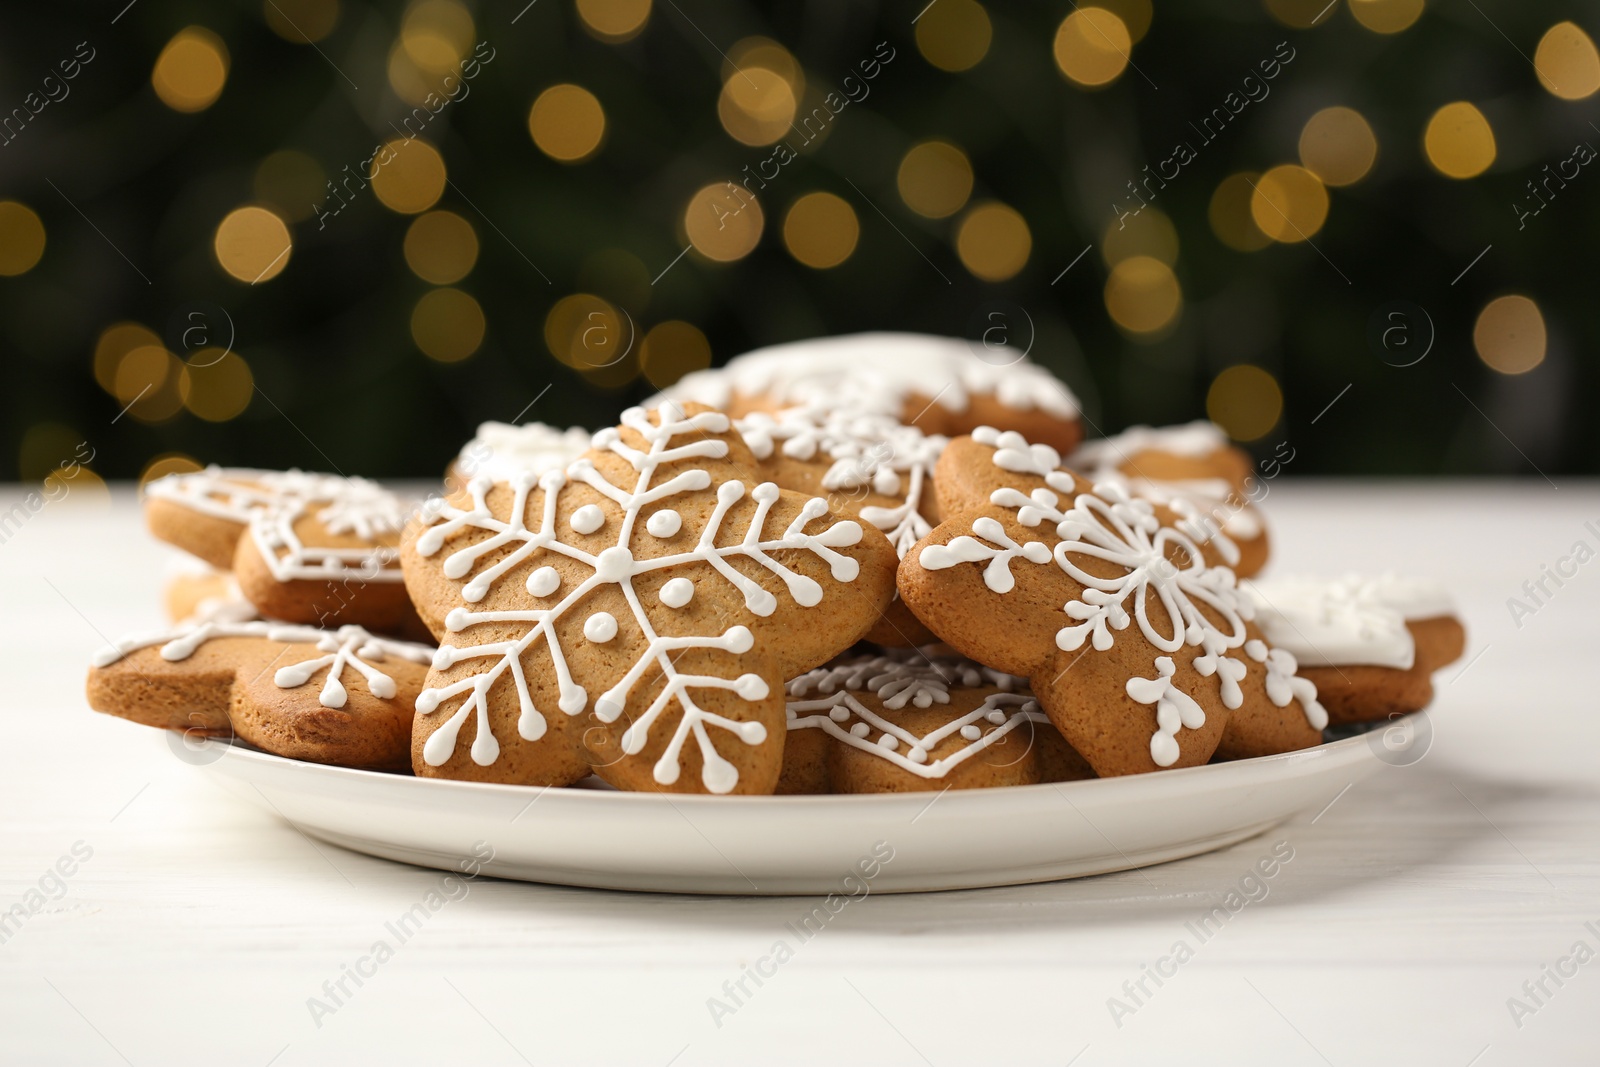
<point>257,680</point>
<point>638,612</point>
<point>1143,656</point>
<point>200,592</point>
<point>941,385</point>
<point>899,722</point>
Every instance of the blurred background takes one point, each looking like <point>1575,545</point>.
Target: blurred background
<point>338,235</point>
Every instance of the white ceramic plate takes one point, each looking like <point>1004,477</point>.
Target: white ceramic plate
<point>958,839</point>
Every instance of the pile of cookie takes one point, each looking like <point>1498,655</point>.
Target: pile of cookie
<point>875,563</point>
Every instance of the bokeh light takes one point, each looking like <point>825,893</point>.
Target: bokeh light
<point>220,385</point>
<point>588,332</point>
<point>1091,46</point>
<point>1510,335</point>
<point>1230,216</point>
<point>252,244</point>
<point>1567,63</point>
<point>1338,146</point>
<point>993,241</point>
<point>672,349</point>
<point>437,34</point>
<point>168,463</point>
<point>935,179</point>
<point>756,106</point>
<point>1149,233</point>
<point>151,383</point>
<point>613,21</point>
<point>1459,141</point>
<point>413,178</point>
<point>567,123</point>
<point>1386,16</point>
<point>115,342</point>
<point>1245,401</point>
<point>820,230</point>
<point>1289,204</point>
<point>44,447</point>
<point>954,35</point>
<point>301,21</point>
<point>1300,14</point>
<point>723,222</point>
<point>21,238</point>
<point>765,52</point>
<point>1143,296</point>
<point>191,70</point>
<point>447,325</point>
<point>441,247</point>
<point>291,183</point>
<point>618,275</point>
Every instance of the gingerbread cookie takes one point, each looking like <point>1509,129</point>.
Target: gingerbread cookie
<point>307,548</point>
<point>1142,654</point>
<point>869,465</point>
<point>222,677</point>
<point>201,592</point>
<point>901,723</point>
<point>939,384</point>
<point>1192,470</point>
<point>1350,638</point>
<point>501,450</point>
<point>638,611</point>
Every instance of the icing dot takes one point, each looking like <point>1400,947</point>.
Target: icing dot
<point>677,592</point>
<point>918,754</point>
<point>600,627</point>
<point>588,519</point>
<point>664,523</point>
<point>543,581</point>
<point>839,714</point>
<point>997,717</point>
<point>860,729</point>
<point>971,732</point>
<point>889,742</point>
<point>614,564</point>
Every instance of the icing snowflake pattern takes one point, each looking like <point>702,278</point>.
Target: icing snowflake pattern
<point>899,679</point>
<point>347,647</point>
<point>617,566</point>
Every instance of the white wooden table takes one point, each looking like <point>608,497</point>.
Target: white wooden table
<point>1413,909</point>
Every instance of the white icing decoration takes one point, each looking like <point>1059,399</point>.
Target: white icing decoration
<point>501,451</point>
<point>1284,684</point>
<point>875,373</point>
<point>664,523</point>
<point>347,647</point>
<point>677,592</point>
<point>588,519</point>
<point>963,549</point>
<point>543,581</point>
<point>617,566</point>
<point>1337,623</point>
<point>1194,440</point>
<point>1175,709</point>
<point>898,679</point>
<point>600,627</point>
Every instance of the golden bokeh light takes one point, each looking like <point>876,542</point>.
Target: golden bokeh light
<point>1245,401</point>
<point>1386,16</point>
<point>301,21</point>
<point>954,35</point>
<point>291,183</point>
<point>723,222</point>
<point>437,34</point>
<point>447,325</point>
<point>1299,14</point>
<point>1230,215</point>
<point>410,82</point>
<point>614,21</point>
<point>1143,296</point>
<point>765,52</point>
<point>567,123</point>
<point>821,230</point>
<point>114,343</point>
<point>45,446</point>
<point>672,349</point>
<point>1289,203</point>
<point>1149,233</point>
<point>151,383</point>
<point>441,247</point>
<point>935,179</point>
<point>252,244</point>
<point>1459,141</point>
<point>191,70</point>
<point>1135,15</point>
<point>78,487</point>
<point>1092,46</point>
<point>413,178</point>
<point>1338,146</point>
<point>1510,335</point>
<point>588,333</point>
<point>168,463</point>
<point>993,241</point>
<point>756,106</point>
<point>21,238</point>
<point>1567,63</point>
<point>220,385</point>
